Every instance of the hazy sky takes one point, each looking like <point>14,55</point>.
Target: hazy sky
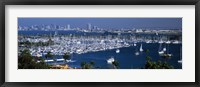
<point>164,23</point>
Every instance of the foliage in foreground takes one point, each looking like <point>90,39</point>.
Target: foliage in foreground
<point>26,61</point>
<point>115,64</point>
<point>156,65</point>
<point>89,65</point>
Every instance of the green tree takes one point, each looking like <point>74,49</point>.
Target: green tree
<point>115,64</point>
<point>26,61</point>
<point>155,65</point>
<point>83,64</point>
<point>92,63</point>
<point>89,65</point>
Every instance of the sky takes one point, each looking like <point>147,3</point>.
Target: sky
<point>111,23</point>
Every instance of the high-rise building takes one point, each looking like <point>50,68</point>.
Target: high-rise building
<point>68,26</point>
<point>89,26</point>
<point>95,27</point>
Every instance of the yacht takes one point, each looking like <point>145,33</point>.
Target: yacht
<point>179,61</point>
<point>168,42</point>
<point>110,60</point>
<point>70,61</point>
<point>164,48</point>
<point>160,41</point>
<point>161,52</point>
<point>175,42</point>
<point>135,44</point>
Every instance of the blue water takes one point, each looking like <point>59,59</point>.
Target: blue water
<point>126,58</point>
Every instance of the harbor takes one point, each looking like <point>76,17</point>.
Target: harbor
<point>79,44</point>
<point>100,43</point>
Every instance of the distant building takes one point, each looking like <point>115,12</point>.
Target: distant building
<point>95,27</point>
<point>68,26</point>
<point>89,26</point>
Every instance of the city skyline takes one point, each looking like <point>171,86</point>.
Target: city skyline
<point>108,23</point>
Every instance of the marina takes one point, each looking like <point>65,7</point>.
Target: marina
<point>115,45</point>
<point>77,45</point>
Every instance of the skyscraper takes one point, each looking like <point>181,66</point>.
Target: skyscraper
<point>68,26</point>
<point>95,27</point>
<point>89,26</point>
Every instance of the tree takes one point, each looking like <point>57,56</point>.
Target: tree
<point>25,61</point>
<point>85,65</point>
<point>155,65</point>
<point>92,62</point>
<point>115,64</point>
<point>147,51</point>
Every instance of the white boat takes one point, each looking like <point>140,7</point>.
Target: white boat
<point>161,41</point>
<point>179,61</point>
<point>78,42</point>
<point>110,60</point>
<point>168,42</point>
<point>117,51</point>
<point>160,50</point>
<point>141,48</point>
<point>164,49</point>
<point>137,53</point>
<point>60,59</point>
<point>149,41</point>
<point>49,60</point>
<point>70,61</point>
<point>134,44</point>
<point>175,42</point>
<point>156,33</point>
<point>39,55</point>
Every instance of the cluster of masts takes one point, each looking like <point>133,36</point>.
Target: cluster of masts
<point>82,45</point>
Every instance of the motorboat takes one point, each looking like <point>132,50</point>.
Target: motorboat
<point>110,60</point>
<point>117,51</point>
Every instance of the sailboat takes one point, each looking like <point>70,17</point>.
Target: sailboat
<point>141,48</point>
<point>160,51</point>
<point>157,33</point>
